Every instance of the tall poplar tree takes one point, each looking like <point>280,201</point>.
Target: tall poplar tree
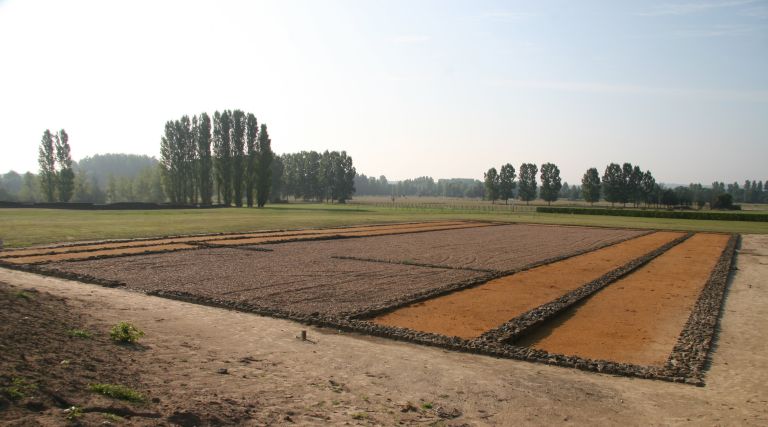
<point>203,136</point>
<point>238,156</point>
<point>251,135</point>
<point>590,186</point>
<point>66,176</point>
<point>491,184</point>
<point>550,182</point>
<point>264,168</point>
<point>222,126</point>
<point>506,182</point>
<point>527,185</point>
<point>613,183</point>
<point>47,161</point>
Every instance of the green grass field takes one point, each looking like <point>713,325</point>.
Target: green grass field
<point>26,227</point>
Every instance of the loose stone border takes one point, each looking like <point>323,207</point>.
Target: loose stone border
<point>516,328</point>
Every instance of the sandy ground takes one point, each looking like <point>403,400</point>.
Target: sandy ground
<point>373,379</point>
<point>638,318</point>
<point>471,312</point>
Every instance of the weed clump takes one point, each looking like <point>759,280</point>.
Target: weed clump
<point>117,391</point>
<point>18,389</point>
<point>125,332</point>
<point>79,333</point>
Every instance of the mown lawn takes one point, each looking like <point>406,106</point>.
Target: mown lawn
<point>25,227</point>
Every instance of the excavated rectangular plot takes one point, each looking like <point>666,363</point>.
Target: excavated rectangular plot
<point>97,253</point>
<point>639,318</point>
<point>303,283</point>
<point>499,248</point>
<point>471,312</point>
<point>259,235</point>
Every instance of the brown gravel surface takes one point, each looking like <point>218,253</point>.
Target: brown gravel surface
<point>306,282</point>
<point>502,247</point>
<point>90,254</point>
<point>350,233</point>
<point>638,318</point>
<point>233,236</point>
<point>471,312</point>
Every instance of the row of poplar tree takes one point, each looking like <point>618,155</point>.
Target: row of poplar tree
<point>619,184</point>
<point>327,176</point>
<point>57,179</point>
<point>501,184</point>
<point>231,151</point>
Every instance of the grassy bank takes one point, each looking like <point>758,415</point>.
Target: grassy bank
<point>25,227</point>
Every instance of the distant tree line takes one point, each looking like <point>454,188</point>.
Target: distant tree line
<point>229,156</point>
<point>309,175</point>
<point>423,186</point>
<point>501,185</point>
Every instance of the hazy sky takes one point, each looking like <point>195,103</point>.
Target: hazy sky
<point>411,88</point>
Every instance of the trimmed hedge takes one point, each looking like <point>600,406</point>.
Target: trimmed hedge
<point>653,213</point>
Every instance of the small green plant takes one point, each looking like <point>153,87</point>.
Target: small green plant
<point>125,332</point>
<point>113,417</point>
<point>427,405</point>
<point>117,391</point>
<point>73,413</point>
<point>79,333</point>
<point>23,295</point>
<point>19,389</point>
<point>359,416</point>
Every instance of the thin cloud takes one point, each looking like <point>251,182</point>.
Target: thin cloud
<point>411,39</point>
<point>506,16</point>
<point>717,31</point>
<point>629,89</point>
<point>691,8</point>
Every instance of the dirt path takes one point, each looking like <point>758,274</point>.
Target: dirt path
<point>639,318</point>
<point>472,312</point>
<point>372,377</point>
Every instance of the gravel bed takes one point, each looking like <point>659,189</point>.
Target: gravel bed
<point>501,249</point>
<point>299,283</point>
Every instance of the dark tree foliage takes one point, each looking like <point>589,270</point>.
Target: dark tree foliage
<point>590,186</point>
<point>171,160</point>
<point>309,175</point>
<point>205,168</point>
<point>613,183</point>
<point>251,135</point>
<point>276,192</point>
<point>723,201</point>
<point>550,182</point>
<point>491,184</point>
<point>47,161</point>
<point>238,156</point>
<point>186,156</point>
<point>263,170</point>
<point>222,125</point>
<point>647,186</point>
<point>66,175</point>
<point>507,182</point>
<point>527,185</point>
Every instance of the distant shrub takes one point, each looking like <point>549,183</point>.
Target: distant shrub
<point>125,332</point>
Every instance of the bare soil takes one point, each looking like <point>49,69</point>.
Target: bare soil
<point>44,254</point>
<point>471,312</point>
<point>348,378</point>
<point>353,233</point>
<point>638,318</point>
<point>309,282</point>
<point>107,252</point>
<point>499,248</point>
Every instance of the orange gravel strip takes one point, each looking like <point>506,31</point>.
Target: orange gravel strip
<point>637,319</point>
<point>192,239</point>
<point>346,233</point>
<point>471,312</point>
<point>85,255</point>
